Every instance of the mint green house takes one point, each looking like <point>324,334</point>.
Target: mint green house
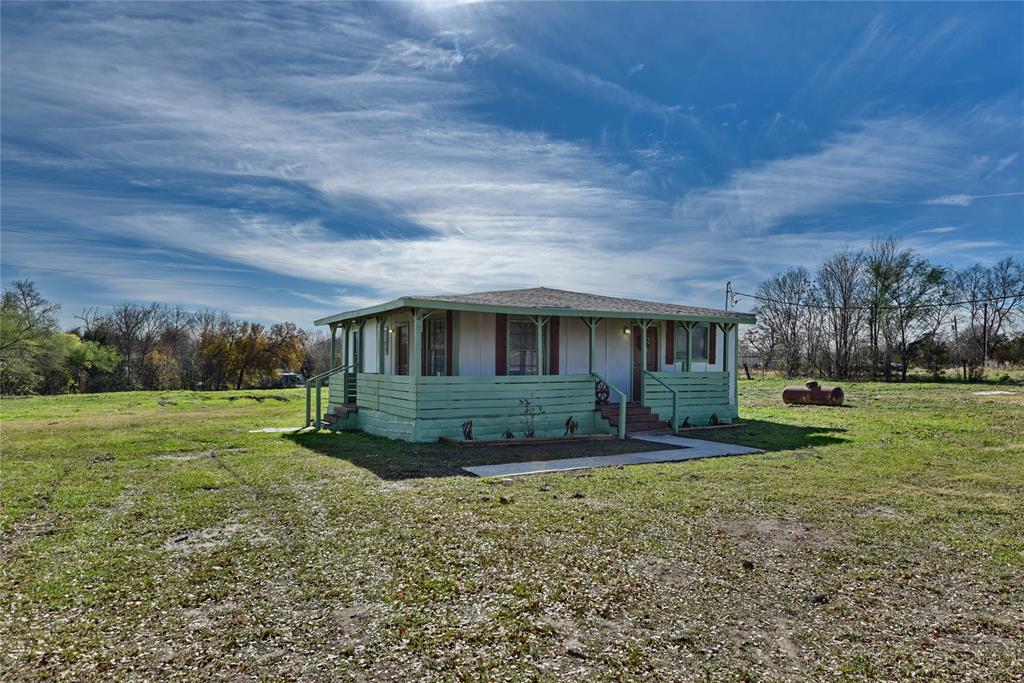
<point>539,361</point>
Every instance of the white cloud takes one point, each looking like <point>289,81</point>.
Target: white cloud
<point>968,199</point>
<point>881,161</point>
<point>942,230</point>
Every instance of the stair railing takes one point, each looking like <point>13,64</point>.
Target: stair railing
<point>317,383</point>
<point>675,399</point>
<point>622,402</point>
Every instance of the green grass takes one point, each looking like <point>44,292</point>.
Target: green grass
<point>150,535</point>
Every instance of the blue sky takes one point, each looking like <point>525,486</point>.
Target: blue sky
<point>288,161</point>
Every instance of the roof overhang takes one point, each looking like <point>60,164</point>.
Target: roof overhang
<point>411,302</point>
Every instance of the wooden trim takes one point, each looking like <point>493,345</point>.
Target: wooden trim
<point>670,343</point>
<point>500,344</point>
<point>712,344</point>
<point>449,330</point>
<point>553,334</point>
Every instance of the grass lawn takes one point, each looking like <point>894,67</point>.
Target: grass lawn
<point>151,536</point>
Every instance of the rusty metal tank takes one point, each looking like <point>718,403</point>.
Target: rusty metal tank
<point>813,393</point>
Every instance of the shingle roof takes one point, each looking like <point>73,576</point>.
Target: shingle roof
<point>547,298</point>
<point>548,301</point>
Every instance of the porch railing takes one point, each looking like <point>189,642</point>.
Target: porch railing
<point>675,399</point>
<point>622,402</point>
<point>316,384</point>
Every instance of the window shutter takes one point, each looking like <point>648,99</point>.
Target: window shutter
<point>670,342</point>
<point>500,344</point>
<point>553,332</point>
<point>449,327</point>
<point>712,343</point>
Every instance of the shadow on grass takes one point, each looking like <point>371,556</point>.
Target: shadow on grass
<point>395,460</point>
<point>392,460</point>
<point>774,436</point>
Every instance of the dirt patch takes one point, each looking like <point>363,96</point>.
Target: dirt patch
<point>881,511</point>
<point>756,532</point>
<point>260,399</point>
<point>205,616</point>
<point>22,533</point>
<point>195,455</point>
<point>671,572</point>
<point>212,538</point>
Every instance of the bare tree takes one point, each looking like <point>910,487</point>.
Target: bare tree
<point>781,311</point>
<point>916,285</point>
<point>880,267</point>
<point>842,290</point>
<point>992,296</point>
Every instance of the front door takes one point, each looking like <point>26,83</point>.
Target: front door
<point>652,356</point>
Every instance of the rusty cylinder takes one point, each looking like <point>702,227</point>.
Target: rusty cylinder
<point>813,393</point>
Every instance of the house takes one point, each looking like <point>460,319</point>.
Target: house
<point>539,361</point>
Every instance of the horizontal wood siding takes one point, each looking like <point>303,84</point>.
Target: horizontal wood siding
<point>337,387</point>
<point>394,394</point>
<point>701,394</point>
<point>433,407</point>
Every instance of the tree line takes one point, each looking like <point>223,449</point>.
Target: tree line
<point>879,311</point>
<point>151,346</point>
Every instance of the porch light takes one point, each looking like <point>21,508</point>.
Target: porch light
<point>626,330</point>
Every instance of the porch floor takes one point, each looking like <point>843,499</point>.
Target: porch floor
<point>682,449</point>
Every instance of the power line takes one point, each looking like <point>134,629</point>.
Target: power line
<point>155,279</point>
<point>951,304</point>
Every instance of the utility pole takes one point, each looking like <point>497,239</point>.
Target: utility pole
<point>728,293</point>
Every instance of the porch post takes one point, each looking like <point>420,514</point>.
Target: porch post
<point>344,343</point>
<point>689,346</point>
<point>592,324</point>
<point>736,371</point>
<point>644,325</point>
<point>358,346</point>
<point>334,346</point>
<point>417,342</point>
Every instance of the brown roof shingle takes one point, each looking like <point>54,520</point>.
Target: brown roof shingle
<point>545,297</point>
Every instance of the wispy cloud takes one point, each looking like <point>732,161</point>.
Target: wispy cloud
<point>881,160</point>
<point>345,158</point>
<point>968,199</point>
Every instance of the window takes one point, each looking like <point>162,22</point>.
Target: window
<point>700,342</point>
<point>402,350</point>
<point>522,347</point>
<point>436,347</point>
<point>680,342</point>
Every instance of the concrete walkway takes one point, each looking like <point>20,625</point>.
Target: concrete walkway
<point>683,449</point>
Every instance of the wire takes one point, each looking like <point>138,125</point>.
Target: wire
<point>155,279</point>
<point>951,304</point>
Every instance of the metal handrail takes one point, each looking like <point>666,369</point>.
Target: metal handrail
<point>622,403</point>
<point>675,399</point>
<point>318,382</point>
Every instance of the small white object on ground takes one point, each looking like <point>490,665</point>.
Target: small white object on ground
<point>994,392</point>
<point>685,449</point>
<point>275,430</point>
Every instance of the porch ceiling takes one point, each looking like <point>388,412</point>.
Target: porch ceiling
<point>546,301</point>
